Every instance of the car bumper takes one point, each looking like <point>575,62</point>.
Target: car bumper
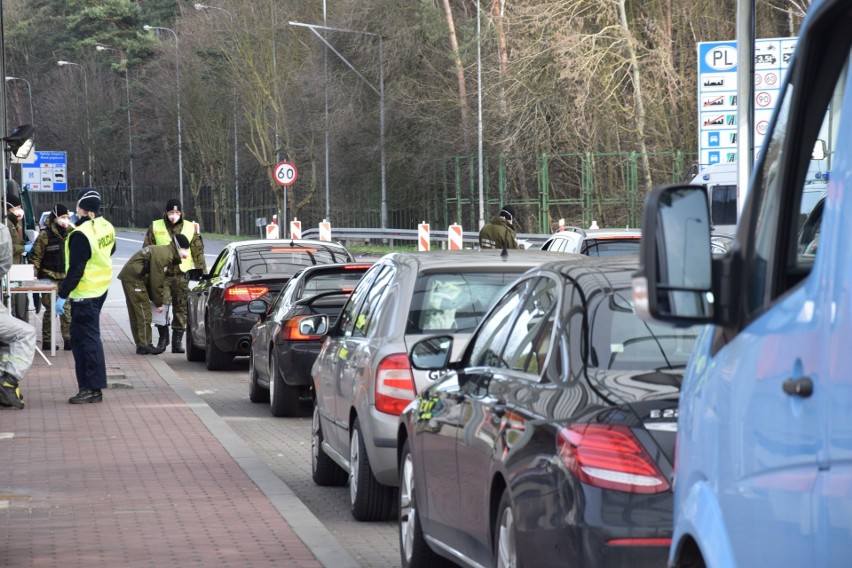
<point>295,361</point>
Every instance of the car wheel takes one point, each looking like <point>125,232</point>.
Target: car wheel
<point>193,353</point>
<point>368,499</point>
<point>283,399</point>
<point>256,392</point>
<point>505,544</point>
<point>413,550</point>
<point>215,358</point>
<point>324,470</point>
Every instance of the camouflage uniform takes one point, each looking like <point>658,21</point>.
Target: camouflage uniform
<point>498,233</point>
<point>48,258</point>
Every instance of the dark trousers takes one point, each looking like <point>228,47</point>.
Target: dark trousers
<point>86,342</point>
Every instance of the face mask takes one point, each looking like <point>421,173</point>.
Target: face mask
<point>174,217</point>
<point>63,222</point>
<point>184,253</point>
<point>19,213</point>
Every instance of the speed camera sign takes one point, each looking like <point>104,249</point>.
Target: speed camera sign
<point>286,173</point>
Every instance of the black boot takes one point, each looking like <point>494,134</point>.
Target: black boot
<point>177,338</point>
<point>163,341</point>
<point>86,396</point>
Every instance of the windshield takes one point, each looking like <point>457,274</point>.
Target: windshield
<point>283,260</point>
<point>610,247</point>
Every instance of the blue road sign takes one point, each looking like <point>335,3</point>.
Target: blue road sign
<point>49,172</point>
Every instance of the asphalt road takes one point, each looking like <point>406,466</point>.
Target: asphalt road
<point>282,443</point>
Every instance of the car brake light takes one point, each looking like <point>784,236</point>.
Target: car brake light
<point>394,384</point>
<point>609,456</point>
<point>290,331</point>
<point>245,293</point>
<point>356,266</point>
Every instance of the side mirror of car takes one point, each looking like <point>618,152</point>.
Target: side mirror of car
<point>194,274</point>
<point>675,280</point>
<point>258,307</point>
<point>315,326</point>
<point>432,353</point>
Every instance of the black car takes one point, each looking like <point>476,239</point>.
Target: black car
<point>550,442</point>
<point>282,349</point>
<point>218,320</point>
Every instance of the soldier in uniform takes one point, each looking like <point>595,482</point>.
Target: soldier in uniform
<point>48,258</point>
<point>161,232</point>
<point>143,279</point>
<point>15,224</point>
<point>499,233</point>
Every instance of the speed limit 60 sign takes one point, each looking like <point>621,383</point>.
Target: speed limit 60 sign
<point>286,173</point>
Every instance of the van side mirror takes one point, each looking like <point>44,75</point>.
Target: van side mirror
<point>675,281</point>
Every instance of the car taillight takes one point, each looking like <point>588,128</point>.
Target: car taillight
<point>394,384</point>
<point>609,456</point>
<point>245,293</point>
<point>290,331</point>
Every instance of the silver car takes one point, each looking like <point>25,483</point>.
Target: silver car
<point>362,376</point>
<point>595,242</point>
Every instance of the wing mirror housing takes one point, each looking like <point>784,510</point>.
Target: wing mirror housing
<point>194,274</point>
<point>432,353</point>
<point>258,307</point>
<point>316,325</point>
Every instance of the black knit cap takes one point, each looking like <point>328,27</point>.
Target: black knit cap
<point>181,241</point>
<point>59,210</point>
<point>89,200</point>
<point>173,205</point>
<point>12,200</point>
<point>507,212</point>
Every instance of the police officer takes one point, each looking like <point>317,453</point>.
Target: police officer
<point>161,232</point>
<point>499,233</point>
<point>143,279</point>
<point>48,258</point>
<point>88,273</point>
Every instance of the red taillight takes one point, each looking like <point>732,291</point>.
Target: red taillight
<point>245,293</point>
<point>609,456</point>
<point>640,542</point>
<point>356,266</point>
<point>394,384</point>
<point>291,332</point>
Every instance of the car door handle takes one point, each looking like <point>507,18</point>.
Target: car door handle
<point>803,387</point>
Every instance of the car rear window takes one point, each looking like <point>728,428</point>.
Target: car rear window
<point>331,283</point>
<point>610,247</point>
<point>283,260</point>
<point>454,302</point>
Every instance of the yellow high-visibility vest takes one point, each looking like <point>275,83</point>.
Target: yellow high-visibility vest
<point>162,236</point>
<point>98,272</point>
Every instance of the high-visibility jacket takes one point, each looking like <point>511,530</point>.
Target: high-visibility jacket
<point>163,236</point>
<point>98,272</point>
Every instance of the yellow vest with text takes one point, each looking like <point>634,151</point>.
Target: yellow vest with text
<point>162,236</point>
<point>98,272</point>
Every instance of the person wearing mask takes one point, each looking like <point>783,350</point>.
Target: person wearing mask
<point>88,273</point>
<point>161,232</point>
<point>15,224</point>
<point>19,336</point>
<point>143,279</point>
<point>499,233</point>
<point>48,258</point>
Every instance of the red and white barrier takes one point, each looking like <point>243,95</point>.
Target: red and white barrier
<point>325,231</point>
<point>272,230</point>
<point>295,229</point>
<point>423,236</point>
<point>454,234</point>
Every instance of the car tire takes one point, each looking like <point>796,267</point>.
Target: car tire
<point>283,399</point>
<point>324,470</point>
<point>413,550</point>
<point>193,353</point>
<point>256,392</point>
<point>505,535</point>
<point>368,499</point>
<point>215,358</point>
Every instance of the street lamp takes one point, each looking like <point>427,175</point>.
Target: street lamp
<point>100,47</point>
<point>199,6</point>
<point>177,73</point>
<point>30,90</point>
<point>380,90</point>
<point>88,124</point>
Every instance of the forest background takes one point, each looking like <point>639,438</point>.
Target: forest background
<point>585,104</point>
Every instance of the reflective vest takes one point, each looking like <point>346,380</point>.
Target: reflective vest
<point>163,236</point>
<point>98,272</point>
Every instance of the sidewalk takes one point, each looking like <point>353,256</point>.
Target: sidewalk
<point>150,477</point>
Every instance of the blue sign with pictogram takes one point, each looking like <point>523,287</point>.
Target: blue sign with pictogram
<point>48,172</point>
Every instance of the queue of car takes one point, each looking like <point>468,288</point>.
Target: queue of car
<point>505,406</point>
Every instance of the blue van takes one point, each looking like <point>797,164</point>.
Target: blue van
<point>764,443</point>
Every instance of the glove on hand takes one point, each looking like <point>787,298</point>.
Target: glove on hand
<point>59,309</point>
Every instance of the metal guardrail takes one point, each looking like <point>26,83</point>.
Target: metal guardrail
<point>345,234</point>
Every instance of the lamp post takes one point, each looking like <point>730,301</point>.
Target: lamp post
<point>380,90</point>
<point>199,6</point>
<point>179,132</point>
<point>88,124</point>
<point>100,47</point>
<point>30,91</point>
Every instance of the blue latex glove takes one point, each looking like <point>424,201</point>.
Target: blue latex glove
<point>28,247</point>
<point>59,308</point>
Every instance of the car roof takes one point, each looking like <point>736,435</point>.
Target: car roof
<point>466,260</point>
<point>332,268</point>
<point>599,273</point>
<point>615,233</point>
<point>287,242</point>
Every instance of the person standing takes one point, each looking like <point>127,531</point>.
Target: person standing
<point>161,232</point>
<point>14,222</point>
<point>499,232</point>
<point>88,273</point>
<point>19,336</point>
<point>143,279</point>
<point>48,258</point>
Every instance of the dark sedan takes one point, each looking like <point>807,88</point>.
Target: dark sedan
<point>551,441</point>
<point>219,322</point>
<point>282,349</point>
